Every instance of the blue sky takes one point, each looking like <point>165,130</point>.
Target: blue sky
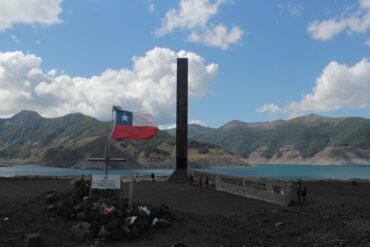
<point>249,60</point>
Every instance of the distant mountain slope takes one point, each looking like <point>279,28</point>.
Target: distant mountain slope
<point>193,130</point>
<point>306,139</point>
<point>67,141</point>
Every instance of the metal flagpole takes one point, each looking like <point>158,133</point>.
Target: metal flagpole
<point>107,157</point>
<point>107,146</point>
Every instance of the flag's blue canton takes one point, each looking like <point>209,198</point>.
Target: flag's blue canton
<point>124,117</point>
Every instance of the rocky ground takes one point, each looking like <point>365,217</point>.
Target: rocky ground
<point>335,214</point>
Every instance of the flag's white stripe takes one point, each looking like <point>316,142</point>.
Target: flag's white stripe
<point>141,119</point>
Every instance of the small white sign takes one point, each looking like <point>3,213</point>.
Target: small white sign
<point>112,182</point>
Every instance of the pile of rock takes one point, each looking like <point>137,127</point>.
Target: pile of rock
<point>106,217</point>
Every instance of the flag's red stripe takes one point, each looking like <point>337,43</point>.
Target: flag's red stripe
<point>134,132</point>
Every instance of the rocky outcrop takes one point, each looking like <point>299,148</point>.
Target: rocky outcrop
<point>342,155</point>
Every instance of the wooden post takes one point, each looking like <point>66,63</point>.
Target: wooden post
<point>182,114</point>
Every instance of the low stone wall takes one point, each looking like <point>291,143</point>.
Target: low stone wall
<point>273,191</point>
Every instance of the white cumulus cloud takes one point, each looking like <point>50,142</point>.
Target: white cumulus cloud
<point>15,39</point>
<point>151,8</point>
<point>217,36</point>
<point>292,9</point>
<point>367,42</point>
<point>173,125</point>
<point>52,72</point>
<point>30,12</point>
<point>195,16</point>
<point>198,122</point>
<point>270,108</point>
<point>192,14</point>
<point>148,87</point>
<point>339,86</point>
<point>355,21</point>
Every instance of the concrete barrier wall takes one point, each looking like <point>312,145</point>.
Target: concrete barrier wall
<point>273,191</point>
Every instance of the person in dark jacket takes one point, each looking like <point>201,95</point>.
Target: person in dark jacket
<point>191,179</point>
<point>207,182</point>
<point>299,188</point>
<point>303,193</point>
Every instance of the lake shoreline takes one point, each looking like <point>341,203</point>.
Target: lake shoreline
<point>268,171</point>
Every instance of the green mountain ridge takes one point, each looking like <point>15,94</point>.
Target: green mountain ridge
<point>308,139</point>
<point>67,141</point>
<point>28,137</point>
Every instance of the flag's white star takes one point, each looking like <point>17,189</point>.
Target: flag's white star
<point>124,118</point>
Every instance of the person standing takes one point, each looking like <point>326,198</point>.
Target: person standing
<point>299,187</point>
<point>207,182</point>
<point>201,183</point>
<point>303,193</point>
<point>191,179</point>
<point>153,177</point>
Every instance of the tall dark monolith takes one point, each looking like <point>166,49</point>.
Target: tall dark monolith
<point>180,174</point>
<point>182,114</point>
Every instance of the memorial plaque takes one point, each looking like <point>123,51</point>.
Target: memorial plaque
<point>112,182</point>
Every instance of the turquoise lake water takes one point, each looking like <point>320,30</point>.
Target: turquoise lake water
<point>344,172</point>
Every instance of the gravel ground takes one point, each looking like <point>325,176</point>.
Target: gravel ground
<point>335,214</point>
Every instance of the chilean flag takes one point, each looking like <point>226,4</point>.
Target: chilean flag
<point>132,125</point>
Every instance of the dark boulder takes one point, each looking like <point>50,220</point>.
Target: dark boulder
<point>82,231</point>
<point>34,240</point>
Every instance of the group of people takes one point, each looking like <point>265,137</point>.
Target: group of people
<point>201,182</point>
<point>191,181</point>
<point>301,192</point>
